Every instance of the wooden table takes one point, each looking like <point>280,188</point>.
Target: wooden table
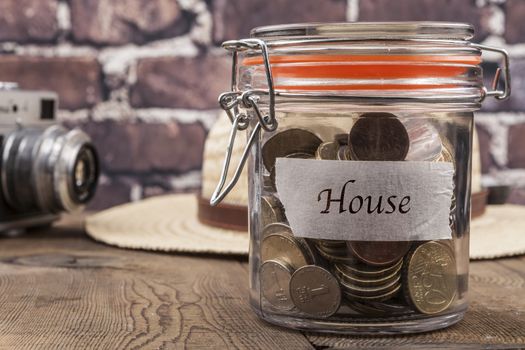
<point>61,290</point>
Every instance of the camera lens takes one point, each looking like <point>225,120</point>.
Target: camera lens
<point>49,170</point>
<point>85,174</point>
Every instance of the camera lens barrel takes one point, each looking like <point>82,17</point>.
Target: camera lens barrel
<point>51,170</point>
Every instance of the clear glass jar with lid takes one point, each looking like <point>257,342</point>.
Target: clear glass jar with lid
<point>359,148</point>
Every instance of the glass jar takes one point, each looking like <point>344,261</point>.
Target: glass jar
<point>359,150</point>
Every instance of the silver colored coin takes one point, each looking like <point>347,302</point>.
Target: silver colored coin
<point>330,243</point>
<point>282,228</point>
<point>344,153</point>
<point>366,271</point>
<point>378,309</point>
<point>289,142</point>
<point>315,291</point>
<point>271,210</point>
<point>327,151</point>
<point>275,280</point>
<point>370,291</point>
<point>382,297</point>
<point>342,259</point>
<point>293,155</point>
<point>366,282</point>
<point>276,227</point>
<point>285,247</point>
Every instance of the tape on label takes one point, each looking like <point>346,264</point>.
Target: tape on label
<point>367,201</point>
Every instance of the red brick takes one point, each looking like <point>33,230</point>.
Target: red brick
<point>181,82</point>
<point>233,19</point>
<point>514,28</point>
<point>428,10</point>
<point>138,147</point>
<point>516,196</point>
<point>28,20</point>
<point>113,191</point>
<point>516,145</point>
<point>77,80</point>
<point>113,22</point>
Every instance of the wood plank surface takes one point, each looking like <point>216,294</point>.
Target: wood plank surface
<point>494,320</point>
<point>61,290</point>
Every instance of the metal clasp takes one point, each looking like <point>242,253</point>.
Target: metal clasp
<point>498,94</point>
<point>232,100</point>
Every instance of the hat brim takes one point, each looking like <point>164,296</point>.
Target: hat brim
<point>499,232</point>
<point>164,223</point>
<point>169,223</point>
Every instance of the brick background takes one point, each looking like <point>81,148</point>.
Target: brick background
<point>142,76</point>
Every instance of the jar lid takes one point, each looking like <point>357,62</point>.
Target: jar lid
<point>369,59</point>
<point>368,30</point>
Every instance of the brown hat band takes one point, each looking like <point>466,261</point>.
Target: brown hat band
<point>235,217</point>
<point>225,216</point>
<point>478,203</point>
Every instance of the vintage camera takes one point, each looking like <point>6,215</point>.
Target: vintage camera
<point>45,169</point>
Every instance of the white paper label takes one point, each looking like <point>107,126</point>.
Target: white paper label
<point>371,201</point>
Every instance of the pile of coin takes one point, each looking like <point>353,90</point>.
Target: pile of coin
<point>372,279</point>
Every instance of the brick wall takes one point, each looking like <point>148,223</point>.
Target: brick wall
<point>142,76</point>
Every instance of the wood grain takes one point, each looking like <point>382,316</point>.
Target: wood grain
<point>494,320</point>
<point>59,290</point>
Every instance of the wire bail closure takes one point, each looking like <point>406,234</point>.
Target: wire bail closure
<point>232,100</point>
<point>249,99</point>
<point>495,92</point>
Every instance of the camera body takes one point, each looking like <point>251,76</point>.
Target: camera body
<point>44,168</point>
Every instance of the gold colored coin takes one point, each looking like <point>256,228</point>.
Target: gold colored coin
<point>431,277</point>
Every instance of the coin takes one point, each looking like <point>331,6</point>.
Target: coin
<point>293,155</point>
<point>344,153</point>
<point>381,297</point>
<point>289,142</point>
<point>367,282</point>
<point>282,228</point>
<point>315,291</point>
<point>378,253</point>
<point>275,279</point>
<point>431,277</point>
<point>378,136</point>
<point>327,150</point>
<point>276,227</point>
<point>283,246</point>
<point>378,308</point>
<point>367,271</point>
<point>271,210</point>
<point>370,291</point>
<point>446,155</point>
<point>341,139</point>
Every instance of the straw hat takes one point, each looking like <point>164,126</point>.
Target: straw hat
<point>184,222</point>
<point>187,223</point>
